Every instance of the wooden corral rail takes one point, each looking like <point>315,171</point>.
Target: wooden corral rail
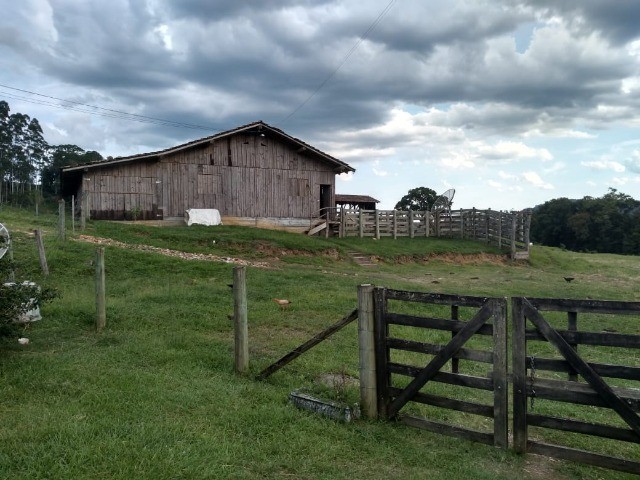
<point>504,229</point>
<point>535,377</point>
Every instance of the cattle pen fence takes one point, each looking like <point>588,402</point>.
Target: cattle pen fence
<point>509,230</point>
<point>440,362</point>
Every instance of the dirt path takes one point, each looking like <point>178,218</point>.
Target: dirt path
<point>171,253</point>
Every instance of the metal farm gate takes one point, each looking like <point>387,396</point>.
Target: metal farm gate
<point>460,352</point>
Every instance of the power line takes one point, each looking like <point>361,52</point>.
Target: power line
<point>76,106</point>
<point>95,110</point>
<point>362,38</point>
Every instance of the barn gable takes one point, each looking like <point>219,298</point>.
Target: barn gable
<point>254,171</point>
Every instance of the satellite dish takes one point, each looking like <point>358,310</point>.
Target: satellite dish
<point>5,240</point>
<point>444,201</point>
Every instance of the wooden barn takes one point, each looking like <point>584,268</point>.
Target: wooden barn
<point>254,175</point>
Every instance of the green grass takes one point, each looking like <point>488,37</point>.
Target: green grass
<point>154,395</point>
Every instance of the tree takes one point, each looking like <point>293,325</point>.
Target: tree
<point>608,224</point>
<point>420,198</point>
<point>23,150</point>
<point>63,156</point>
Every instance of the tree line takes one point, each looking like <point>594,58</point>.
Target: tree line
<point>28,164</point>
<point>609,224</point>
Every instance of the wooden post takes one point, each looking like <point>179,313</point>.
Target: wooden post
<point>366,344</point>
<point>527,231</point>
<point>519,368</point>
<point>500,215</point>
<point>411,232</point>
<point>377,214</point>
<point>61,219</point>
<point>73,213</point>
<point>83,210</point>
<point>461,224</point>
<point>381,328</point>
<point>361,221</point>
<point>500,374</point>
<point>101,311</point>
<point>427,218</point>
<point>395,224</point>
<point>487,223</point>
<point>514,227</point>
<point>343,220</point>
<point>241,330</point>
<point>308,345</point>
<point>41,253</point>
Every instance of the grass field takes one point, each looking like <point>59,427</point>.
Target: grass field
<point>154,395</point>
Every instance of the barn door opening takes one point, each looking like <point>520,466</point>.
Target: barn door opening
<point>325,200</point>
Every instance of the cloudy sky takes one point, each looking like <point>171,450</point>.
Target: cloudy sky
<point>510,102</point>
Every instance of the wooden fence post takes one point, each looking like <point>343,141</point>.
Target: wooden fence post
<point>361,226</point>
<point>240,326</point>
<point>41,253</point>
<point>366,343</point>
<point>514,227</point>
<point>427,217</point>
<point>411,232</point>
<point>83,210</point>
<point>73,213</point>
<point>527,231</point>
<point>101,312</point>
<point>61,213</point>
<point>395,224</point>
<point>377,224</point>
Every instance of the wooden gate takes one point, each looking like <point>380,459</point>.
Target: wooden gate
<point>538,378</point>
<point>407,329</point>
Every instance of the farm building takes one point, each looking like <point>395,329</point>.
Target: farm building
<point>254,174</point>
<point>356,202</point>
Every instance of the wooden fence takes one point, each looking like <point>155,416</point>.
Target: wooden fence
<point>607,389</point>
<point>503,229</point>
<point>580,372</point>
<point>488,319</point>
<point>464,339</point>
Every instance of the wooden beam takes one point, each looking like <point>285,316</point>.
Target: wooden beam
<point>296,352</point>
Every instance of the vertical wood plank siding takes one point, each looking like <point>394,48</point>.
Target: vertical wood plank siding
<point>243,175</point>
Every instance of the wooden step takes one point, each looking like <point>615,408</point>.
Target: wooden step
<point>317,228</point>
<point>362,259</point>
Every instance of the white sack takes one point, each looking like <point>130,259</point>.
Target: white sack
<point>203,216</point>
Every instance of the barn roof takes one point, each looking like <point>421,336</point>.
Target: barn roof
<point>340,198</point>
<point>255,127</point>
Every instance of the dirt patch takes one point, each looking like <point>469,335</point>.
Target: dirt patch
<point>454,258</point>
<point>537,466</point>
<point>171,253</point>
<point>278,252</point>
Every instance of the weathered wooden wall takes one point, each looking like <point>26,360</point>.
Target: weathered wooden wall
<point>503,229</point>
<point>122,191</point>
<point>243,175</point>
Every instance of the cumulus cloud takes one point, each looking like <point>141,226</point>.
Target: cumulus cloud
<point>605,165</point>
<point>454,86</point>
